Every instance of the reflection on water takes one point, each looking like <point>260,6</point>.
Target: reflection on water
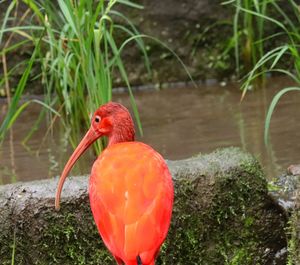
<point>177,122</point>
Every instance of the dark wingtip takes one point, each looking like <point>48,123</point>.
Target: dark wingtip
<point>139,260</point>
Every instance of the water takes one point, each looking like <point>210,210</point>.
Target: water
<point>177,122</point>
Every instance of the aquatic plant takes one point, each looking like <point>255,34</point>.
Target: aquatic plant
<point>78,45</point>
<point>288,51</point>
<point>248,31</point>
<point>75,45</point>
<point>13,250</point>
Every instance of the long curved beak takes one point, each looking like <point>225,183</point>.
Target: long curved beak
<point>90,137</point>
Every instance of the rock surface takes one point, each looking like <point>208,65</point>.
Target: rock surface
<point>285,189</point>
<point>294,231</point>
<point>222,214</point>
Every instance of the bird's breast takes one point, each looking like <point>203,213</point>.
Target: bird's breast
<point>127,178</point>
<point>131,196</point>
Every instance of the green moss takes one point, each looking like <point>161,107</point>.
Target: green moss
<point>81,245</point>
<point>225,231</point>
<point>294,238</point>
<point>62,241</point>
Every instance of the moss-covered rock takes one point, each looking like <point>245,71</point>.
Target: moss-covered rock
<point>294,240</point>
<point>222,215</point>
<point>286,190</point>
<point>294,231</point>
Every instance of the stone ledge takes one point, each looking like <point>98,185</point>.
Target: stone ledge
<point>222,213</point>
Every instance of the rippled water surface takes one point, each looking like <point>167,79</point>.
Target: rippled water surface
<point>177,122</point>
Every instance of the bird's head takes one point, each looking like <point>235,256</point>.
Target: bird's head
<point>112,120</point>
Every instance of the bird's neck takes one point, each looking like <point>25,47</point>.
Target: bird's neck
<point>118,139</point>
<point>121,134</point>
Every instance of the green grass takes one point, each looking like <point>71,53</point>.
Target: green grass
<point>13,253</point>
<point>15,109</point>
<point>82,55</point>
<point>76,48</point>
<point>272,60</point>
<point>75,45</point>
<point>248,30</point>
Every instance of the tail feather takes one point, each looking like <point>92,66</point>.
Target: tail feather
<point>139,260</point>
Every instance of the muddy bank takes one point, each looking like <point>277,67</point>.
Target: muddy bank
<point>199,32</point>
<point>184,26</point>
<point>196,30</point>
<point>222,214</point>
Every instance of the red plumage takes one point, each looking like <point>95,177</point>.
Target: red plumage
<point>131,190</point>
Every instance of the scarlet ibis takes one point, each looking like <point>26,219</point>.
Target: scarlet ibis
<point>130,188</point>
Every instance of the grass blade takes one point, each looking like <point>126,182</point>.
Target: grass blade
<point>131,4</point>
<point>66,9</point>
<point>19,91</point>
<point>279,55</point>
<point>272,107</point>
<point>7,13</point>
<point>162,44</point>
<point>34,8</point>
<point>13,249</point>
<point>125,77</point>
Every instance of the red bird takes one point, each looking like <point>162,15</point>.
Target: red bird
<point>130,188</point>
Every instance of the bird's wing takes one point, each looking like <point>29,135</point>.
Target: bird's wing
<point>131,199</point>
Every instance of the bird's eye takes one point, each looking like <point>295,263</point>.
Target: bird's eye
<point>97,119</point>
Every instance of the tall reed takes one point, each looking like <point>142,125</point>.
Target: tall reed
<point>248,31</point>
<point>288,29</point>
<point>75,44</point>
